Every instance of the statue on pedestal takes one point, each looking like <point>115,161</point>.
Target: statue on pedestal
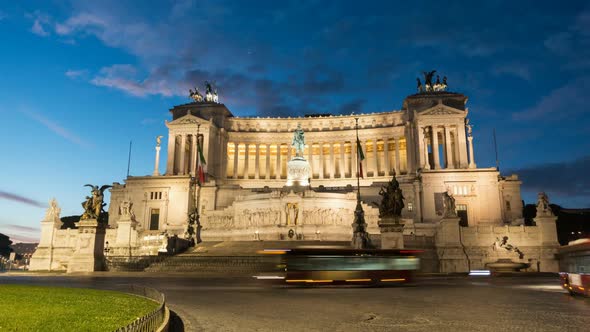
<point>469,128</point>
<point>298,141</point>
<point>53,211</point>
<point>543,208</point>
<point>126,210</point>
<point>392,202</point>
<point>94,204</point>
<point>450,210</point>
<point>158,141</point>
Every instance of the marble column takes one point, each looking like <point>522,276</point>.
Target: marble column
<point>267,170</point>
<point>449,149</point>
<point>456,147</point>
<point>375,159</point>
<point>156,170</point>
<point>246,160</point>
<point>289,148</point>
<point>386,156</point>
<point>257,162</point>
<point>397,160</point>
<point>181,169</point>
<point>321,160</point>
<point>236,158</point>
<point>471,157</point>
<point>435,147</point>
<point>421,146</point>
<point>171,150</point>
<point>342,169</point>
<point>426,161</point>
<point>462,145</point>
<point>332,161</point>
<point>278,162</point>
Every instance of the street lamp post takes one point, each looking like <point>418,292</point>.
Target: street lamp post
<point>360,237</point>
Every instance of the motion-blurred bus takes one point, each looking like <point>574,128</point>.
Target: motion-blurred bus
<point>574,264</point>
<point>345,266</point>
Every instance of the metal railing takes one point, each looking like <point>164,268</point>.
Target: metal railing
<point>154,319</point>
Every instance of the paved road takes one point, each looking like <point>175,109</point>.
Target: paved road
<point>208,303</point>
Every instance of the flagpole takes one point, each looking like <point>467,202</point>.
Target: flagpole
<point>129,158</point>
<point>358,163</point>
<point>360,237</point>
<point>197,189</point>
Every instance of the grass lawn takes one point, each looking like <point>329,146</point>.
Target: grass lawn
<point>34,308</point>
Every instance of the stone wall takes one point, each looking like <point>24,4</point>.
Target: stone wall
<point>463,248</point>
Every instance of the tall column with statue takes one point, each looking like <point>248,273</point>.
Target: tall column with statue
<point>156,166</point>
<point>470,139</point>
<point>298,168</point>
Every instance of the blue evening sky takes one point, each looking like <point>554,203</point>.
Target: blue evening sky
<point>79,80</point>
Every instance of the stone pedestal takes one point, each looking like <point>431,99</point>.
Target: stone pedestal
<point>298,172</point>
<point>42,259</point>
<point>451,253</point>
<point>549,243</point>
<point>89,253</point>
<point>126,236</point>
<point>392,233</point>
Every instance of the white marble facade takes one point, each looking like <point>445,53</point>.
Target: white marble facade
<point>428,144</point>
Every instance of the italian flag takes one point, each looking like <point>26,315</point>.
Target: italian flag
<point>201,165</point>
<point>361,156</point>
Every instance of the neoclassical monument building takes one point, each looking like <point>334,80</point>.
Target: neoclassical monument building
<point>427,144</point>
<point>253,190</point>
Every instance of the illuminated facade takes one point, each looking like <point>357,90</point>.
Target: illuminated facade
<point>428,144</point>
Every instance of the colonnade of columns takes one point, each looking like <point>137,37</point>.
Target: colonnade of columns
<point>445,146</point>
<point>328,160</point>
<point>182,154</point>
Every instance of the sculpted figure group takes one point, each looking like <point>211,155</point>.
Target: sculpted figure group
<point>298,141</point>
<point>211,95</point>
<point>392,202</point>
<point>429,86</point>
<point>94,204</point>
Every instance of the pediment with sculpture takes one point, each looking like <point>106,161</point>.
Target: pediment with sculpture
<point>188,119</point>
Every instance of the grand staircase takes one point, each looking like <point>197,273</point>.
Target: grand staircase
<point>232,256</point>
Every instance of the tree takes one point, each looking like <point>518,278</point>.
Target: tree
<point>5,243</point>
<point>69,221</point>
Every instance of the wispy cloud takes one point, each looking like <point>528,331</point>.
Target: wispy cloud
<point>41,23</point>
<point>20,199</point>
<point>75,74</point>
<point>56,128</point>
<point>519,70</point>
<point>567,179</point>
<point>22,228</point>
<point>564,101</point>
<point>573,42</point>
<point>123,77</point>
